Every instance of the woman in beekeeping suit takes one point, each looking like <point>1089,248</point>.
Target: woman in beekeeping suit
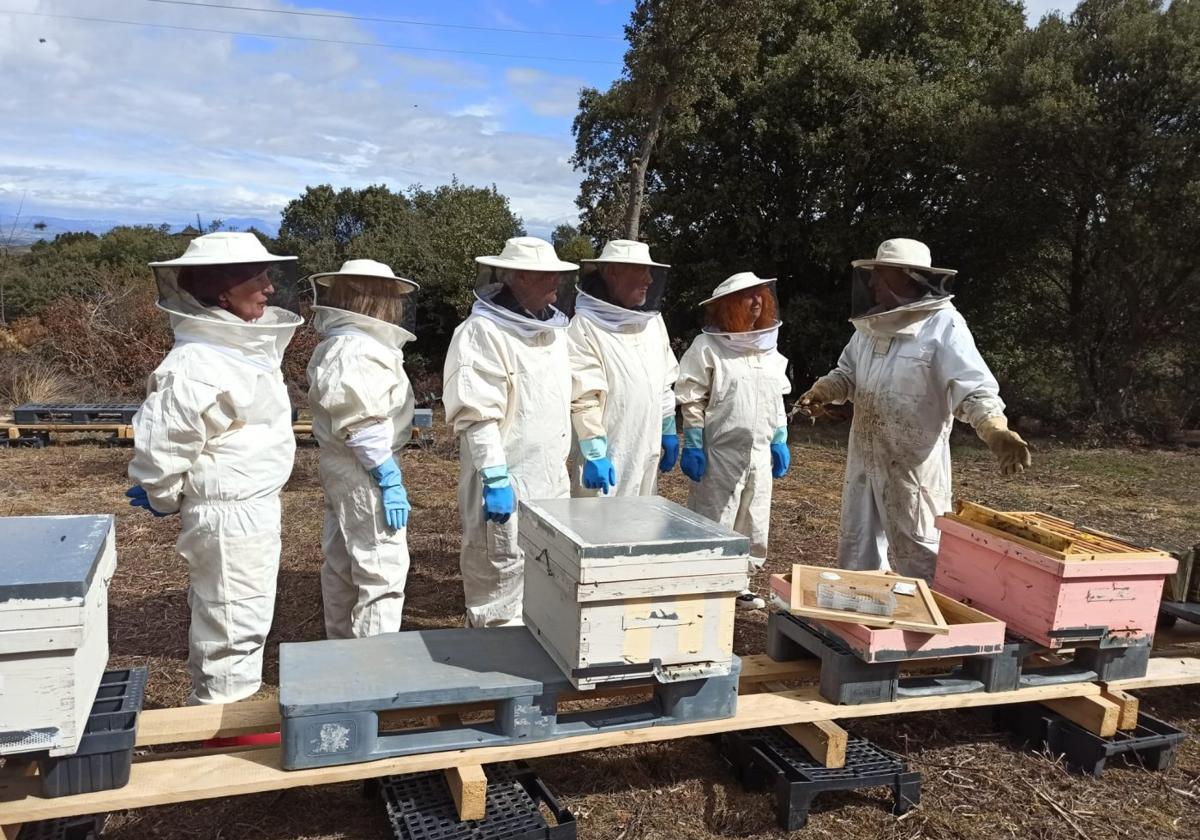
<point>623,371</point>
<point>213,442</point>
<point>730,393</point>
<point>910,368</point>
<point>507,391</point>
<point>362,408</point>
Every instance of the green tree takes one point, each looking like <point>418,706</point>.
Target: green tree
<point>572,245</point>
<point>1085,195</point>
<point>678,50</point>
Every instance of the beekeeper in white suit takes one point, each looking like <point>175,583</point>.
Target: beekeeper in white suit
<point>362,408</point>
<point>910,369</point>
<point>623,372</point>
<point>213,442</point>
<point>507,392</point>
<point>730,392</point>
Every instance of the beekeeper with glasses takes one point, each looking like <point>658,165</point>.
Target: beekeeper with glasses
<point>910,369</point>
<point>623,373</point>
<point>730,393</point>
<point>213,442</point>
<point>362,409</point>
<point>507,392</point>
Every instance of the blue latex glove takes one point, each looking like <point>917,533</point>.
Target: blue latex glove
<point>670,445</point>
<point>781,456</point>
<point>598,471</point>
<point>137,498</point>
<point>395,497</point>
<point>498,498</point>
<point>693,463</point>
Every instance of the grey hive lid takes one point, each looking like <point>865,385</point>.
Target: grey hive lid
<point>50,556</point>
<point>628,526</point>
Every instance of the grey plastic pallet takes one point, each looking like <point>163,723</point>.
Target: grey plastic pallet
<point>75,413</point>
<point>848,680</point>
<point>1175,610</point>
<point>762,757</point>
<point>331,694</point>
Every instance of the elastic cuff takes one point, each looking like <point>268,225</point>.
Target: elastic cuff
<point>693,438</point>
<point>780,435</point>
<point>495,476</point>
<point>668,424</point>
<point>594,448</point>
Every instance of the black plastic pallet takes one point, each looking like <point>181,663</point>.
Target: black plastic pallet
<point>75,413</point>
<point>26,440</point>
<point>1152,745</point>
<point>87,827</point>
<point>762,757</point>
<point>420,807</point>
<point>847,680</point>
<point>1171,611</point>
<point>105,752</point>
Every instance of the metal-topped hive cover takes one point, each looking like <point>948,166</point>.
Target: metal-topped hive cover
<point>50,556</point>
<point>628,526</point>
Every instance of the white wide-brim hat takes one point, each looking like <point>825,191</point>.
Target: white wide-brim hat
<point>527,253</point>
<point>363,268</point>
<point>903,253</point>
<point>626,251</point>
<point>228,248</point>
<point>736,283</point>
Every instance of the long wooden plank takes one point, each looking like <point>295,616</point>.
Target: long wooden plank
<point>1095,714</point>
<point>199,723</point>
<point>1164,671</point>
<point>208,777</point>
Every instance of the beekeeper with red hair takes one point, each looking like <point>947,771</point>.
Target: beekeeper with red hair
<point>730,393</point>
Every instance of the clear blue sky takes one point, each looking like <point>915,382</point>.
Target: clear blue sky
<point>110,121</point>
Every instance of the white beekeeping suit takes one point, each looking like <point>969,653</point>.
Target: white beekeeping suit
<point>362,408</point>
<point>623,372</point>
<point>730,392</point>
<point>910,368</point>
<point>507,392</point>
<point>213,441</point>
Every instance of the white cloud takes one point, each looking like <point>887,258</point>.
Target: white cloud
<point>127,120</point>
<point>546,94</point>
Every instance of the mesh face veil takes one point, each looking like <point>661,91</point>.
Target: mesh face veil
<point>242,290</point>
<point>881,288</point>
<point>386,299</point>
<point>536,296</point>
<point>632,286</point>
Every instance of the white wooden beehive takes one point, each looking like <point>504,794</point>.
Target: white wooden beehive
<point>54,575</point>
<point>626,588</point>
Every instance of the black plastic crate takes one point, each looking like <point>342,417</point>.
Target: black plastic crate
<point>81,413</point>
<point>1153,744</point>
<point>105,752</point>
<point>65,828</point>
<point>762,757</point>
<point>420,807</point>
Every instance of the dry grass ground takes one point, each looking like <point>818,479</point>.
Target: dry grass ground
<point>976,785</point>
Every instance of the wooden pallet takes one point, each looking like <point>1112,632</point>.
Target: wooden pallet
<point>184,777</point>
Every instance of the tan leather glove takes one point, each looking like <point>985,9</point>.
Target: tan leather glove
<point>1010,450</point>
<point>821,393</point>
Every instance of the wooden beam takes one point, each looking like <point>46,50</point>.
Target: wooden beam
<point>468,783</point>
<point>1127,703</point>
<point>1095,714</point>
<point>824,740</point>
<point>256,771</point>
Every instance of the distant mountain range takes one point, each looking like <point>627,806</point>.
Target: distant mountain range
<point>22,231</point>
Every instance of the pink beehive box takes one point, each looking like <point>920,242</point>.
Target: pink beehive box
<point>971,632</point>
<point>1049,581</point>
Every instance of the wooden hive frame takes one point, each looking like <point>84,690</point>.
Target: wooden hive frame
<point>1051,536</point>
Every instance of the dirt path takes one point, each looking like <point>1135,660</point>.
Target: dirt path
<point>976,785</point>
